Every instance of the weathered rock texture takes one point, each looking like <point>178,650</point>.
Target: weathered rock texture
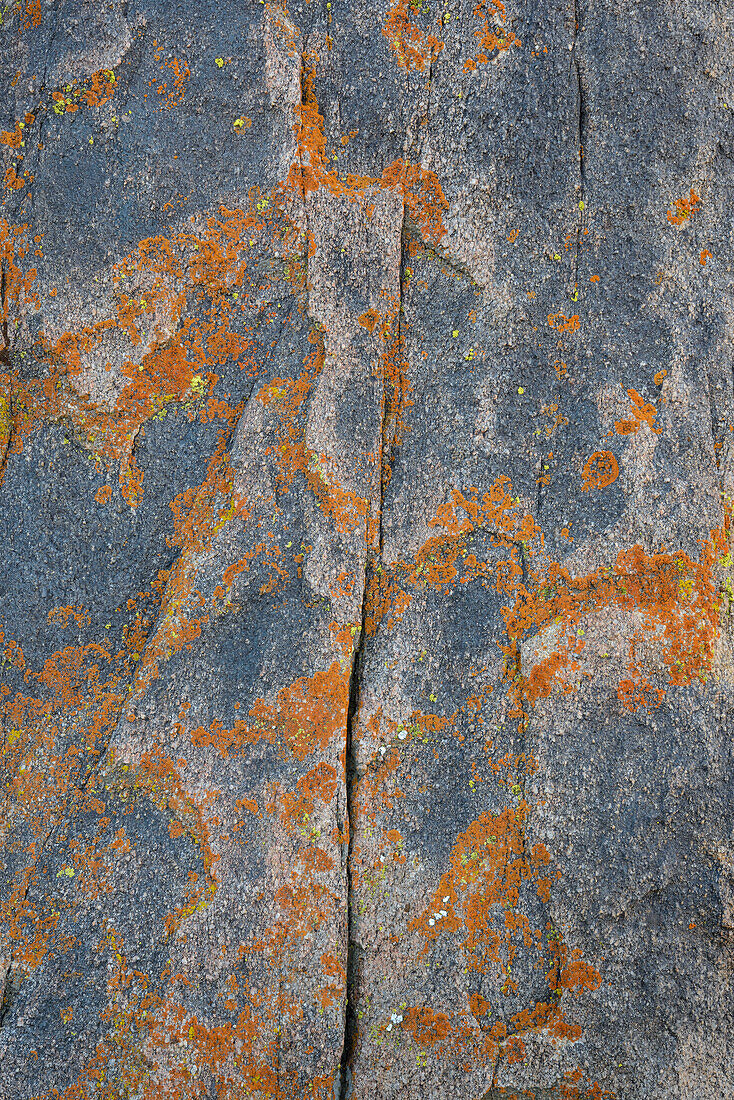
<point>366,446</point>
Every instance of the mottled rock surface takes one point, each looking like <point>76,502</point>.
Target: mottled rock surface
<point>366,629</point>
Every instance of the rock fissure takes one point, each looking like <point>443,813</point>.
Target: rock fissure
<point>4,311</point>
<point>581,133</point>
<point>387,442</point>
<point>350,778</point>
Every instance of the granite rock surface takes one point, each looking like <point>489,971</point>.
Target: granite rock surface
<point>366,464</point>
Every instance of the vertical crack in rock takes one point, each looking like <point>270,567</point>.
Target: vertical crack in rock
<point>581,130</point>
<point>4,334</point>
<point>515,673</point>
<point>299,153</point>
<point>343,1089</point>
<point>6,418</point>
<point>5,989</point>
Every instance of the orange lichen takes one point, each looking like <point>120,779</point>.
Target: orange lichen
<point>642,413</point>
<point>493,39</point>
<point>171,95</point>
<point>676,596</point>
<point>413,47</point>
<point>446,560</point>
<point>477,906</point>
<point>306,716</point>
<point>84,688</point>
<point>312,170</point>
<point>33,14</point>
<point>427,1027</point>
<point>683,209</point>
<point>53,742</point>
<point>13,138</point>
<point>600,470</point>
<point>18,279</point>
<point>97,90</point>
<point>561,323</point>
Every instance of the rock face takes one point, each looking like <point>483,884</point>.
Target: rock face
<point>366,450</point>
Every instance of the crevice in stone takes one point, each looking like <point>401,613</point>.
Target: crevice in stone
<point>306,230</point>
<point>514,674</point>
<point>581,137</point>
<point>6,990</point>
<point>343,1089</point>
<point>4,333</point>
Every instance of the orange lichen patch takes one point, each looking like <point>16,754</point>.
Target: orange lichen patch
<point>52,743</point>
<point>347,510</point>
<point>152,1040</point>
<point>447,560</point>
<point>573,1088</point>
<point>286,399</point>
<point>33,14</point>
<point>561,323</point>
<point>14,182</point>
<point>151,1037</point>
<point>705,256</point>
<point>600,470</point>
<point>131,481</point>
<point>306,716</point>
<point>201,511</point>
<point>312,170</point>
<point>370,320</point>
<point>319,782</point>
<point>13,138</point>
<point>334,991</point>
<point>428,1027</point>
<point>176,366</point>
<point>642,413</point>
<point>14,248</point>
<point>477,905</point>
<point>683,209</point>
<point>658,378</point>
<point>171,94</point>
<point>494,39</point>
<point>634,695</point>
<point>489,864</point>
<point>61,616</point>
<point>158,777</point>
<point>676,596</point>
<point>97,90</point>
<point>423,197</point>
<point>413,47</point>
<point>577,975</point>
<point>182,620</point>
<point>479,1005</point>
